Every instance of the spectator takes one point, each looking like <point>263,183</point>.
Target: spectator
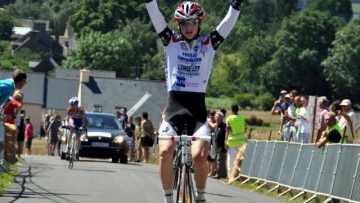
<point>118,116</point>
<point>21,134</point>
<point>54,133</point>
<point>333,132</point>
<point>147,130</point>
<point>8,86</point>
<point>220,146</point>
<point>235,135</point>
<point>289,130</point>
<point>324,108</point>
<point>12,109</point>
<point>347,119</point>
<point>303,122</point>
<point>29,134</point>
<point>123,117</point>
<point>46,124</point>
<point>212,126</point>
<point>130,131</point>
<point>223,111</point>
<point>138,139</point>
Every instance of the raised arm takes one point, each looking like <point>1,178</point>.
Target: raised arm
<point>227,24</point>
<point>156,16</point>
<point>159,21</point>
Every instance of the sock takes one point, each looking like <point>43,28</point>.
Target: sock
<point>200,194</point>
<point>168,194</point>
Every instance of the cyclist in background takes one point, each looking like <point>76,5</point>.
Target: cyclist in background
<point>189,58</point>
<point>76,120</point>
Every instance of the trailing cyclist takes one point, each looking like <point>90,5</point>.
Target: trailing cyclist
<point>76,121</point>
<point>189,58</point>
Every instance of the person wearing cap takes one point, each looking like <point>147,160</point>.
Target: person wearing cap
<point>347,120</point>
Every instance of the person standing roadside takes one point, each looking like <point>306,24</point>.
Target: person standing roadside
<point>324,108</point>
<point>54,130</point>
<point>303,123</point>
<point>21,134</point>
<point>235,136</point>
<point>347,120</point>
<point>212,126</point>
<point>138,139</point>
<point>29,134</point>
<point>147,134</point>
<point>220,157</point>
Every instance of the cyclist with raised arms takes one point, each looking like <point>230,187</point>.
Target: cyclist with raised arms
<point>189,58</point>
<point>76,120</point>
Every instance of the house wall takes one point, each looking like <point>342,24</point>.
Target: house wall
<point>111,94</point>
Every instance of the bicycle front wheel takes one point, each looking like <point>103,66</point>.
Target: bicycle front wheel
<point>184,188</point>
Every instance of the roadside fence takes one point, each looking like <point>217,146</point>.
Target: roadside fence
<point>332,171</point>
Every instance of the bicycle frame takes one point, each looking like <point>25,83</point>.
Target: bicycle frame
<point>73,145</point>
<point>182,163</point>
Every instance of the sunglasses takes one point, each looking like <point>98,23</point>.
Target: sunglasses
<point>189,22</point>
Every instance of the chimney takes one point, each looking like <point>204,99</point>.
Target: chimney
<point>84,75</point>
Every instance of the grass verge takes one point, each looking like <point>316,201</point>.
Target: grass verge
<point>7,178</point>
<point>252,186</point>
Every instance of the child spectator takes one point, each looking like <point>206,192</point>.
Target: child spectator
<point>29,134</point>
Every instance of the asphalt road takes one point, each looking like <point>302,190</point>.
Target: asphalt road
<point>47,179</point>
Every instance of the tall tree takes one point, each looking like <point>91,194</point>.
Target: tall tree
<point>340,8</point>
<point>302,43</point>
<point>342,67</point>
<point>110,51</point>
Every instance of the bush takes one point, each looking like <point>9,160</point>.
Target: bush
<point>248,101</point>
<point>254,121</point>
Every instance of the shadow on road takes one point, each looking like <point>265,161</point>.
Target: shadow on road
<point>23,180</point>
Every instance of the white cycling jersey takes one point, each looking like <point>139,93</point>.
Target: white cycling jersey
<point>188,68</point>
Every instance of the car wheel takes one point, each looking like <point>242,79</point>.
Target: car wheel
<point>115,159</point>
<point>124,159</point>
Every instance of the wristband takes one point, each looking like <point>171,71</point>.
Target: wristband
<point>236,4</point>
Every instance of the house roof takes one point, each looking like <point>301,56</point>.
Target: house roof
<point>21,30</point>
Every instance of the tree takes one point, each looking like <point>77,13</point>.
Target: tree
<point>110,51</point>
<point>340,8</point>
<point>302,43</point>
<point>28,9</point>
<point>342,66</point>
<point>6,26</point>
<point>20,60</point>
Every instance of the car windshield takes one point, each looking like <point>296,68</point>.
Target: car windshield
<point>103,122</point>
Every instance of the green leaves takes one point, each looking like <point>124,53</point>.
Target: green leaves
<point>342,66</point>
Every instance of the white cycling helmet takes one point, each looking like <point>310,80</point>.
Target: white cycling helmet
<point>189,10</point>
<point>73,101</point>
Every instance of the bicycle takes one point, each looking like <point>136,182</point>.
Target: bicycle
<point>73,146</point>
<point>182,166</point>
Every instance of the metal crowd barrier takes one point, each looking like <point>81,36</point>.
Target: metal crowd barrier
<point>333,171</point>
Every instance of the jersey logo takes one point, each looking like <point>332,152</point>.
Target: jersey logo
<point>183,46</point>
<point>180,81</point>
<point>175,38</point>
<point>206,41</point>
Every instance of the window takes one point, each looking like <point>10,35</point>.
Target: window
<point>97,108</point>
